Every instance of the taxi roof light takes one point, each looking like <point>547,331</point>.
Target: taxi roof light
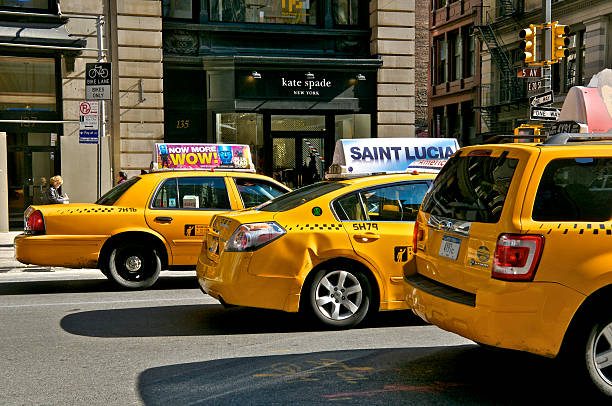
<point>517,257</point>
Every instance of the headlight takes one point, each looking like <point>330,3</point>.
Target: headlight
<point>250,237</point>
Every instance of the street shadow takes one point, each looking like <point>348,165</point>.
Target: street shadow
<point>459,375</point>
<point>100,284</point>
<point>205,319</point>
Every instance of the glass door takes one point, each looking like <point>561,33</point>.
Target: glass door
<point>298,160</point>
<point>31,161</point>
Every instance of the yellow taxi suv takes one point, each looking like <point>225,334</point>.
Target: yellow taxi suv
<point>514,249</point>
<point>337,250</point>
<point>148,223</point>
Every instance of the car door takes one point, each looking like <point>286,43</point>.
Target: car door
<point>181,210</point>
<point>380,221</point>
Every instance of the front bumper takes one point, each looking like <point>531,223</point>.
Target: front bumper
<point>66,251</point>
<point>526,316</point>
<point>230,282</point>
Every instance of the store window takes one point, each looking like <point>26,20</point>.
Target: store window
<point>301,12</point>
<point>34,5</point>
<point>242,128</point>
<point>352,126</point>
<point>178,9</point>
<point>297,123</point>
<point>27,84</point>
<point>346,12</point>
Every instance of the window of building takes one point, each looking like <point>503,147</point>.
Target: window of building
<point>30,5</point>
<point>456,48</point>
<point>184,106</point>
<point>470,60</point>
<point>301,12</point>
<point>352,126</point>
<point>178,9</point>
<point>242,128</point>
<point>346,12</point>
<point>439,59</point>
<point>27,84</point>
<point>574,63</point>
<point>436,4</point>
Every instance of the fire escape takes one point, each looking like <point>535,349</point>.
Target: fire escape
<point>508,91</point>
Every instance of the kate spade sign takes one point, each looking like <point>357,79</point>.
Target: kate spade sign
<point>303,85</point>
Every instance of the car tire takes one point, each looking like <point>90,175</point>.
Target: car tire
<point>134,266</point>
<point>339,298</point>
<point>598,355</point>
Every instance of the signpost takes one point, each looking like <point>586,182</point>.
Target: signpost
<point>542,99</point>
<point>88,122</point>
<point>544,113</point>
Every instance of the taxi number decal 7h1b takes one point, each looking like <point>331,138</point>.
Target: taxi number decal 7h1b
<point>365,226</point>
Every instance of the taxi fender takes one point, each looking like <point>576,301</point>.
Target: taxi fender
<point>122,231</point>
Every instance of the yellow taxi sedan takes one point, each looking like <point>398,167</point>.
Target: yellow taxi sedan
<point>151,222</point>
<point>336,249</point>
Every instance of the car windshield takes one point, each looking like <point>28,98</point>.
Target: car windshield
<point>115,193</point>
<point>471,188</point>
<point>300,196</point>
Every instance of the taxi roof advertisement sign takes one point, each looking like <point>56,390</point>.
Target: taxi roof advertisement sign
<point>203,156</point>
<point>371,155</point>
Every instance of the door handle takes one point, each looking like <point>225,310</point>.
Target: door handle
<point>366,237</point>
<point>163,219</point>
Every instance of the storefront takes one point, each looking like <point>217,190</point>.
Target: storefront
<point>289,115</point>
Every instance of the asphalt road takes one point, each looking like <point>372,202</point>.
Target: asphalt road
<point>71,338</point>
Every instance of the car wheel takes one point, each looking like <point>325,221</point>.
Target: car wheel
<point>134,266</point>
<point>599,355</point>
<point>340,298</point>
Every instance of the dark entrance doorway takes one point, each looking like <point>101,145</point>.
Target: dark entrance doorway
<point>297,148</point>
<point>31,161</point>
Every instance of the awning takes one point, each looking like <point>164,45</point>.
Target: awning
<point>39,35</point>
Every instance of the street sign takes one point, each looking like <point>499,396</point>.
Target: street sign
<point>88,122</point>
<point>535,85</point>
<point>529,72</point>
<point>544,113</point>
<point>542,99</point>
<point>98,81</point>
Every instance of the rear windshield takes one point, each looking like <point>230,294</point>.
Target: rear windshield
<point>575,189</point>
<point>300,196</point>
<point>471,188</point>
<point>115,193</point>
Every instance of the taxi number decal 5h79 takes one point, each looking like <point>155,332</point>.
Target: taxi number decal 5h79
<point>450,247</point>
<point>365,226</point>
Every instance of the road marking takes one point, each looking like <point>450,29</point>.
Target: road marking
<point>86,303</point>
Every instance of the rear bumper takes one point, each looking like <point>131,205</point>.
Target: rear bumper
<point>529,316</point>
<point>59,250</point>
<point>229,281</point>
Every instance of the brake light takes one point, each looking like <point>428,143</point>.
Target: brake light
<point>517,256</point>
<point>35,223</point>
<point>415,236</point>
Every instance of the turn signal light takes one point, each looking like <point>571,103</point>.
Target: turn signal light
<point>35,223</point>
<point>517,256</point>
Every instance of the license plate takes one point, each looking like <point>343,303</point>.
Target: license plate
<point>450,247</point>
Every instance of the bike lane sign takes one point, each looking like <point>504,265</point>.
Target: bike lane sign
<point>98,81</point>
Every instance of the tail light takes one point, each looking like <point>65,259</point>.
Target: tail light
<point>415,236</point>
<point>35,223</point>
<point>517,256</point>
<point>250,237</point>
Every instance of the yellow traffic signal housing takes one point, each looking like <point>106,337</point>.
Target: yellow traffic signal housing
<point>528,44</point>
<point>530,131</point>
<point>560,41</point>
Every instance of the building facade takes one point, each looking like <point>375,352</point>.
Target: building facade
<point>497,100</point>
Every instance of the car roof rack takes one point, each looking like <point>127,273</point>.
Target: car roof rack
<point>504,138</point>
<point>565,138</point>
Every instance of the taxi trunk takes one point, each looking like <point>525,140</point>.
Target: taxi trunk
<point>461,217</point>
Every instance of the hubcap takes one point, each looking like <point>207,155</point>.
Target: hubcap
<point>603,354</point>
<point>133,264</point>
<point>338,295</point>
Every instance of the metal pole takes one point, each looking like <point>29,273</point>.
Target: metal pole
<point>102,130</point>
<point>547,45</point>
<point>4,212</point>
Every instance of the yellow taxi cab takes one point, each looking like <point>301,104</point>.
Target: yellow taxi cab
<point>148,223</point>
<point>337,249</point>
<point>513,249</point>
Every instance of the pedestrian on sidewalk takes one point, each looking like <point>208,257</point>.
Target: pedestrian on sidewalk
<point>54,193</point>
<point>122,177</point>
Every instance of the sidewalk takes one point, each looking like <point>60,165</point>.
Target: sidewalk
<point>8,263</point>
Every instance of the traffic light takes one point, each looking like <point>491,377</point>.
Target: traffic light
<point>560,41</point>
<point>528,44</point>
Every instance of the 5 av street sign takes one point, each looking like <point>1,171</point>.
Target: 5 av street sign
<point>541,99</point>
<point>529,72</point>
<point>544,113</point>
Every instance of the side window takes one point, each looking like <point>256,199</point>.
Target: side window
<point>577,189</point>
<point>255,191</point>
<point>202,193</point>
<point>394,203</point>
<point>349,208</point>
<point>166,197</point>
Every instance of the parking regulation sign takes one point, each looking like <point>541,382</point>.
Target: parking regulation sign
<point>98,81</point>
<point>88,122</point>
